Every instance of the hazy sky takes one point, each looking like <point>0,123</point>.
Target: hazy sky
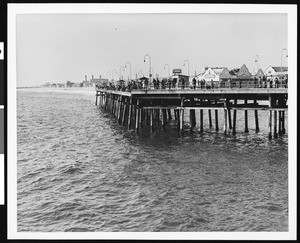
<point>62,47</point>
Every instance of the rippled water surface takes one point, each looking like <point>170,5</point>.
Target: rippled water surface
<point>78,170</point>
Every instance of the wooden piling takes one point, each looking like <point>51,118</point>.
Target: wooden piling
<point>158,116</point>
<point>282,123</point>
<point>169,115</point>
<point>270,117</point>
<point>181,119</point>
<point>234,119</point>
<point>120,110</point>
<point>113,104</point>
<point>129,113</point>
<point>178,118</point>
<point>256,120</point>
<point>181,115</point>
<point>246,119</point>
<point>96,103</point>
<point>225,121</point>
<point>279,122</point>
<point>209,118</point>
<point>234,122</point>
<point>275,124</point>
<point>192,118</point>
<point>151,120</point>
<point>105,105</point>
<point>175,115</point>
<point>164,119</point>
<point>137,116</point>
<point>270,124</point>
<point>216,120</point>
<point>140,116</point>
<point>229,118</point>
<point>124,111</point>
<point>201,120</point>
<point>147,117</point>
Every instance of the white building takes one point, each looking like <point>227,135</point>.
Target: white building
<point>276,71</point>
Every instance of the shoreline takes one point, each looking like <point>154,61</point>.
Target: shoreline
<point>90,90</point>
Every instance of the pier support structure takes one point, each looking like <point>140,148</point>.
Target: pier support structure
<point>137,111</point>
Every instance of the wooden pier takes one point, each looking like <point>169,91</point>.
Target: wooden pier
<point>153,107</point>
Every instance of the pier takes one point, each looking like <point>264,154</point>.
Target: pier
<point>153,108</point>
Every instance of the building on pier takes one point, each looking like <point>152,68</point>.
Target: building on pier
<point>180,78</point>
<point>279,72</point>
<point>260,74</point>
<point>241,73</point>
<point>216,76</point>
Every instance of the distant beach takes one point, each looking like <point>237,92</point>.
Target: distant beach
<point>89,90</point>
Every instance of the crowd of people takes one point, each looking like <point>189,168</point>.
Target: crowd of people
<point>172,83</point>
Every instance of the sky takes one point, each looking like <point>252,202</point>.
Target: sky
<point>66,47</point>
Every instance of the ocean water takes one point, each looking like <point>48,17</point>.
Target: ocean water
<point>79,171</point>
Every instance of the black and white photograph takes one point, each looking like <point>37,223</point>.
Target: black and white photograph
<point>152,121</point>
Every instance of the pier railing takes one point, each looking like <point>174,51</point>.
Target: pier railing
<point>248,84</point>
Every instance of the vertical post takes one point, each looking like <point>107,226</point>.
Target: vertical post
<point>279,122</point>
<point>140,116</point>
<point>256,121</point>
<point>129,113</point>
<point>192,118</point>
<point>270,117</point>
<point>113,104</point>
<point>270,124</point>
<point>275,124</point>
<point>229,113</point>
<point>151,120</point>
<point>181,116</point>
<point>120,110</point>
<point>216,120</point>
<point>175,114</point>
<point>169,114</point>
<point>256,118</point>
<point>147,116</point>
<point>178,118</point>
<point>101,103</point>
<point>201,120</point>
<point>105,103</point>
<point>234,118</point>
<point>209,118</point>
<point>164,118</point>
<point>225,121</point>
<point>229,118</point>
<point>137,116</point>
<point>181,119</point>
<point>124,111</point>
<point>246,119</point>
<point>96,98</point>
<point>158,116</point>
<point>283,121</point>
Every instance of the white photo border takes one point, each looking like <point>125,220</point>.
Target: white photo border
<point>14,9</point>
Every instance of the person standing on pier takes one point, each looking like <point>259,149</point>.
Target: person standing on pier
<point>182,83</point>
<point>194,83</point>
<point>169,83</point>
<point>276,82</point>
<point>174,81</point>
